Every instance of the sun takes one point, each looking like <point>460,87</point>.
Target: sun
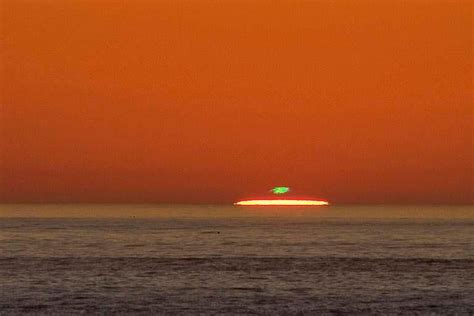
<point>280,202</point>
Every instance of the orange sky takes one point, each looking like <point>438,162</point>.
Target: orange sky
<point>209,101</point>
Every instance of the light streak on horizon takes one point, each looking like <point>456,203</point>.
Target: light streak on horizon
<point>281,202</point>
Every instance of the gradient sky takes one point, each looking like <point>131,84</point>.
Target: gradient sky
<point>210,101</point>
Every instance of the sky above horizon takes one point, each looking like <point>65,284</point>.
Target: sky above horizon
<point>212,101</point>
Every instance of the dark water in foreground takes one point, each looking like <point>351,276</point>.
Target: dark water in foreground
<point>217,259</point>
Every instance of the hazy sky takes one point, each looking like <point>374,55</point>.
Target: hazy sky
<point>209,101</point>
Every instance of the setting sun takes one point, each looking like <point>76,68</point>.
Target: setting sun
<point>281,202</point>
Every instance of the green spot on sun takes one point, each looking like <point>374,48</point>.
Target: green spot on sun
<point>280,190</point>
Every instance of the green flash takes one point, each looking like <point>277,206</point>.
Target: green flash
<point>280,190</point>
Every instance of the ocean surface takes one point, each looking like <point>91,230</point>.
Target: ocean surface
<point>189,259</point>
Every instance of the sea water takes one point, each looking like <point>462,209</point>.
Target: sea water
<point>187,259</point>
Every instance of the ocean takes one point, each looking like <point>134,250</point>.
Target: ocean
<point>190,259</point>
